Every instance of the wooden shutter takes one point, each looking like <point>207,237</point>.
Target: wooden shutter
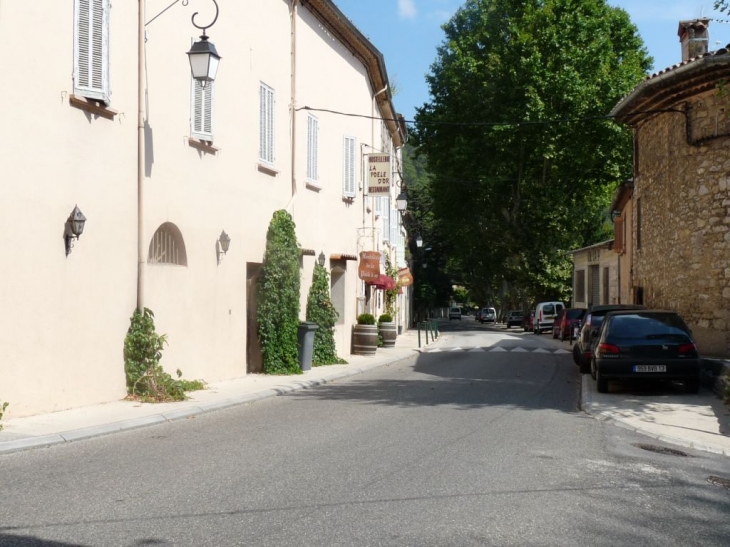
<point>618,235</point>
<point>348,176</point>
<point>91,49</point>
<point>266,123</point>
<point>202,111</point>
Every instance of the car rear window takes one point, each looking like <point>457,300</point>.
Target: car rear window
<point>548,309</point>
<point>642,326</point>
<point>574,314</point>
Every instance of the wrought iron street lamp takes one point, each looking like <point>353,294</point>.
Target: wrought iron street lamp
<point>402,201</point>
<point>203,56</point>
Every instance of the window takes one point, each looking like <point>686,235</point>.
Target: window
<point>91,49</point>
<point>394,227</point>
<point>167,246</point>
<point>378,205</point>
<point>580,286</point>
<point>385,206</point>
<point>201,116</point>
<point>266,123</point>
<point>312,147</point>
<point>348,167</point>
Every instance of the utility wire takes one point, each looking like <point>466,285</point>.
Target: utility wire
<point>494,124</point>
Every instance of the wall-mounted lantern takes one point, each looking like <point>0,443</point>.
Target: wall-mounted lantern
<point>615,214</point>
<point>203,56</point>
<point>402,201</point>
<point>320,258</point>
<point>419,241</point>
<point>224,242</point>
<point>74,228</point>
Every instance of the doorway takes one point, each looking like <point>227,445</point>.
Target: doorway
<point>254,357</point>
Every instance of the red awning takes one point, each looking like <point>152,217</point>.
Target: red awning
<point>384,282</point>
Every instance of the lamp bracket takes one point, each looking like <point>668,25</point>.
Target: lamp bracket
<point>206,27</point>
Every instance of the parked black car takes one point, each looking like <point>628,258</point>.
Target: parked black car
<point>514,318</point>
<point>645,344</point>
<point>591,322</point>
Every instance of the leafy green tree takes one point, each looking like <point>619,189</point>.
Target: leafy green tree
<point>321,311</point>
<point>278,306</point>
<point>523,161</point>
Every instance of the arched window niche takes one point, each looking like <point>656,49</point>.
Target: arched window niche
<point>167,246</point>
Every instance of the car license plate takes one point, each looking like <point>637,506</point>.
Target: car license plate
<point>650,368</point>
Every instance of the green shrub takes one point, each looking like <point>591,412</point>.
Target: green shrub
<point>146,378</point>
<point>385,318</point>
<point>321,311</point>
<point>366,319</point>
<point>278,305</point>
<point>3,406</point>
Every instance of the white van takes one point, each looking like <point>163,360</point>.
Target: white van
<point>545,314</point>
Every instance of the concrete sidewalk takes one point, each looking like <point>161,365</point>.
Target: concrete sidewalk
<point>102,419</point>
<point>661,412</point>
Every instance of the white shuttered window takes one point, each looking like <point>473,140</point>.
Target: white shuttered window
<point>312,147</point>
<point>385,206</point>
<point>201,114</point>
<point>348,167</point>
<point>266,123</point>
<point>91,49</point>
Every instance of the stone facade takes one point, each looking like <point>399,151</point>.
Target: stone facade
<point>595,275</point>
<point>680,223</point>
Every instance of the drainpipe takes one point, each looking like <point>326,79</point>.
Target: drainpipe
<point>293,104</point>
<point>140,156</point>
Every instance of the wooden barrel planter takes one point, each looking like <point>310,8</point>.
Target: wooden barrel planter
<point>389,333</point>
<point>365,339</point>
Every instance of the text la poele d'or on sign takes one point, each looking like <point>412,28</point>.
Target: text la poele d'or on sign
<point>378,175</point>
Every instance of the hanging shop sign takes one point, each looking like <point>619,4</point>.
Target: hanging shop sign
<point>378,175</point>
<point>369,267</point>
<point>405,278</point>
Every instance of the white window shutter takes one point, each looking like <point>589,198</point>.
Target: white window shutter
<point>385,205</point>
<point>378,205</point>
<point>312,138</point>
<point>201,115</point>
<point>91,49</point>
<point>348,188</point>
<point>394,227</point>
<point>266,123</point>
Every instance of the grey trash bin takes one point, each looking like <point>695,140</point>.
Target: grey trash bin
<point>305,344</point>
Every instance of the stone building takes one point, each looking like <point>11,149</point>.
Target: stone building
<point>595,275</point>
<point>679,221</point>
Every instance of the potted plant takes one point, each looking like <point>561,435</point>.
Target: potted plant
<point>365,335</point>
<point>387,330</point>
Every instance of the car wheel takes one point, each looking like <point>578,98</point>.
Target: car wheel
<point>585,367</point>
<point>692,385</point>
<point>562,335</point>
<point>601,383</point>
<point>576,355</point>
<point>554,335</point>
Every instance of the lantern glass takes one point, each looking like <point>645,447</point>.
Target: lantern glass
<point>225,241</point>
<point>77,220</point>
<point>419,241</point>
<point>401,201</point>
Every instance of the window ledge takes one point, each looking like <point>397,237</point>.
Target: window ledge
<point>317,187</point>
<point>204,146</point>
<point>348,199</point>
<point>267,170</point>
<point>93,107</point>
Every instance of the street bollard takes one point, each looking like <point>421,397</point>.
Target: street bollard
<point>418,328</point>
<point>436,328</point>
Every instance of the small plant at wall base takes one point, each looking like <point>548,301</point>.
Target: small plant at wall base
<point>321,311</point>
<point>3,406</point>
<point>278,304</point>
<point>146,379</point>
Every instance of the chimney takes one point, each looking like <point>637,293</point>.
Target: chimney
<point>694,37</point>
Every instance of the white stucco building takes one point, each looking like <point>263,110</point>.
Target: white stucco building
<point>300,96</point>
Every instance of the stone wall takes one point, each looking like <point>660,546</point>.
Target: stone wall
<point>681,249</point>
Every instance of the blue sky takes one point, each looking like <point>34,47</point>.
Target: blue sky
<point>407,33</point>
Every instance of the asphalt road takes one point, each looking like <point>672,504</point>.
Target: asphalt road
<point>479,443</point>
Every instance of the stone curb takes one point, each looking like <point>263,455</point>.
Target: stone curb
<point>184,413</point>
<point>586,405</point>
